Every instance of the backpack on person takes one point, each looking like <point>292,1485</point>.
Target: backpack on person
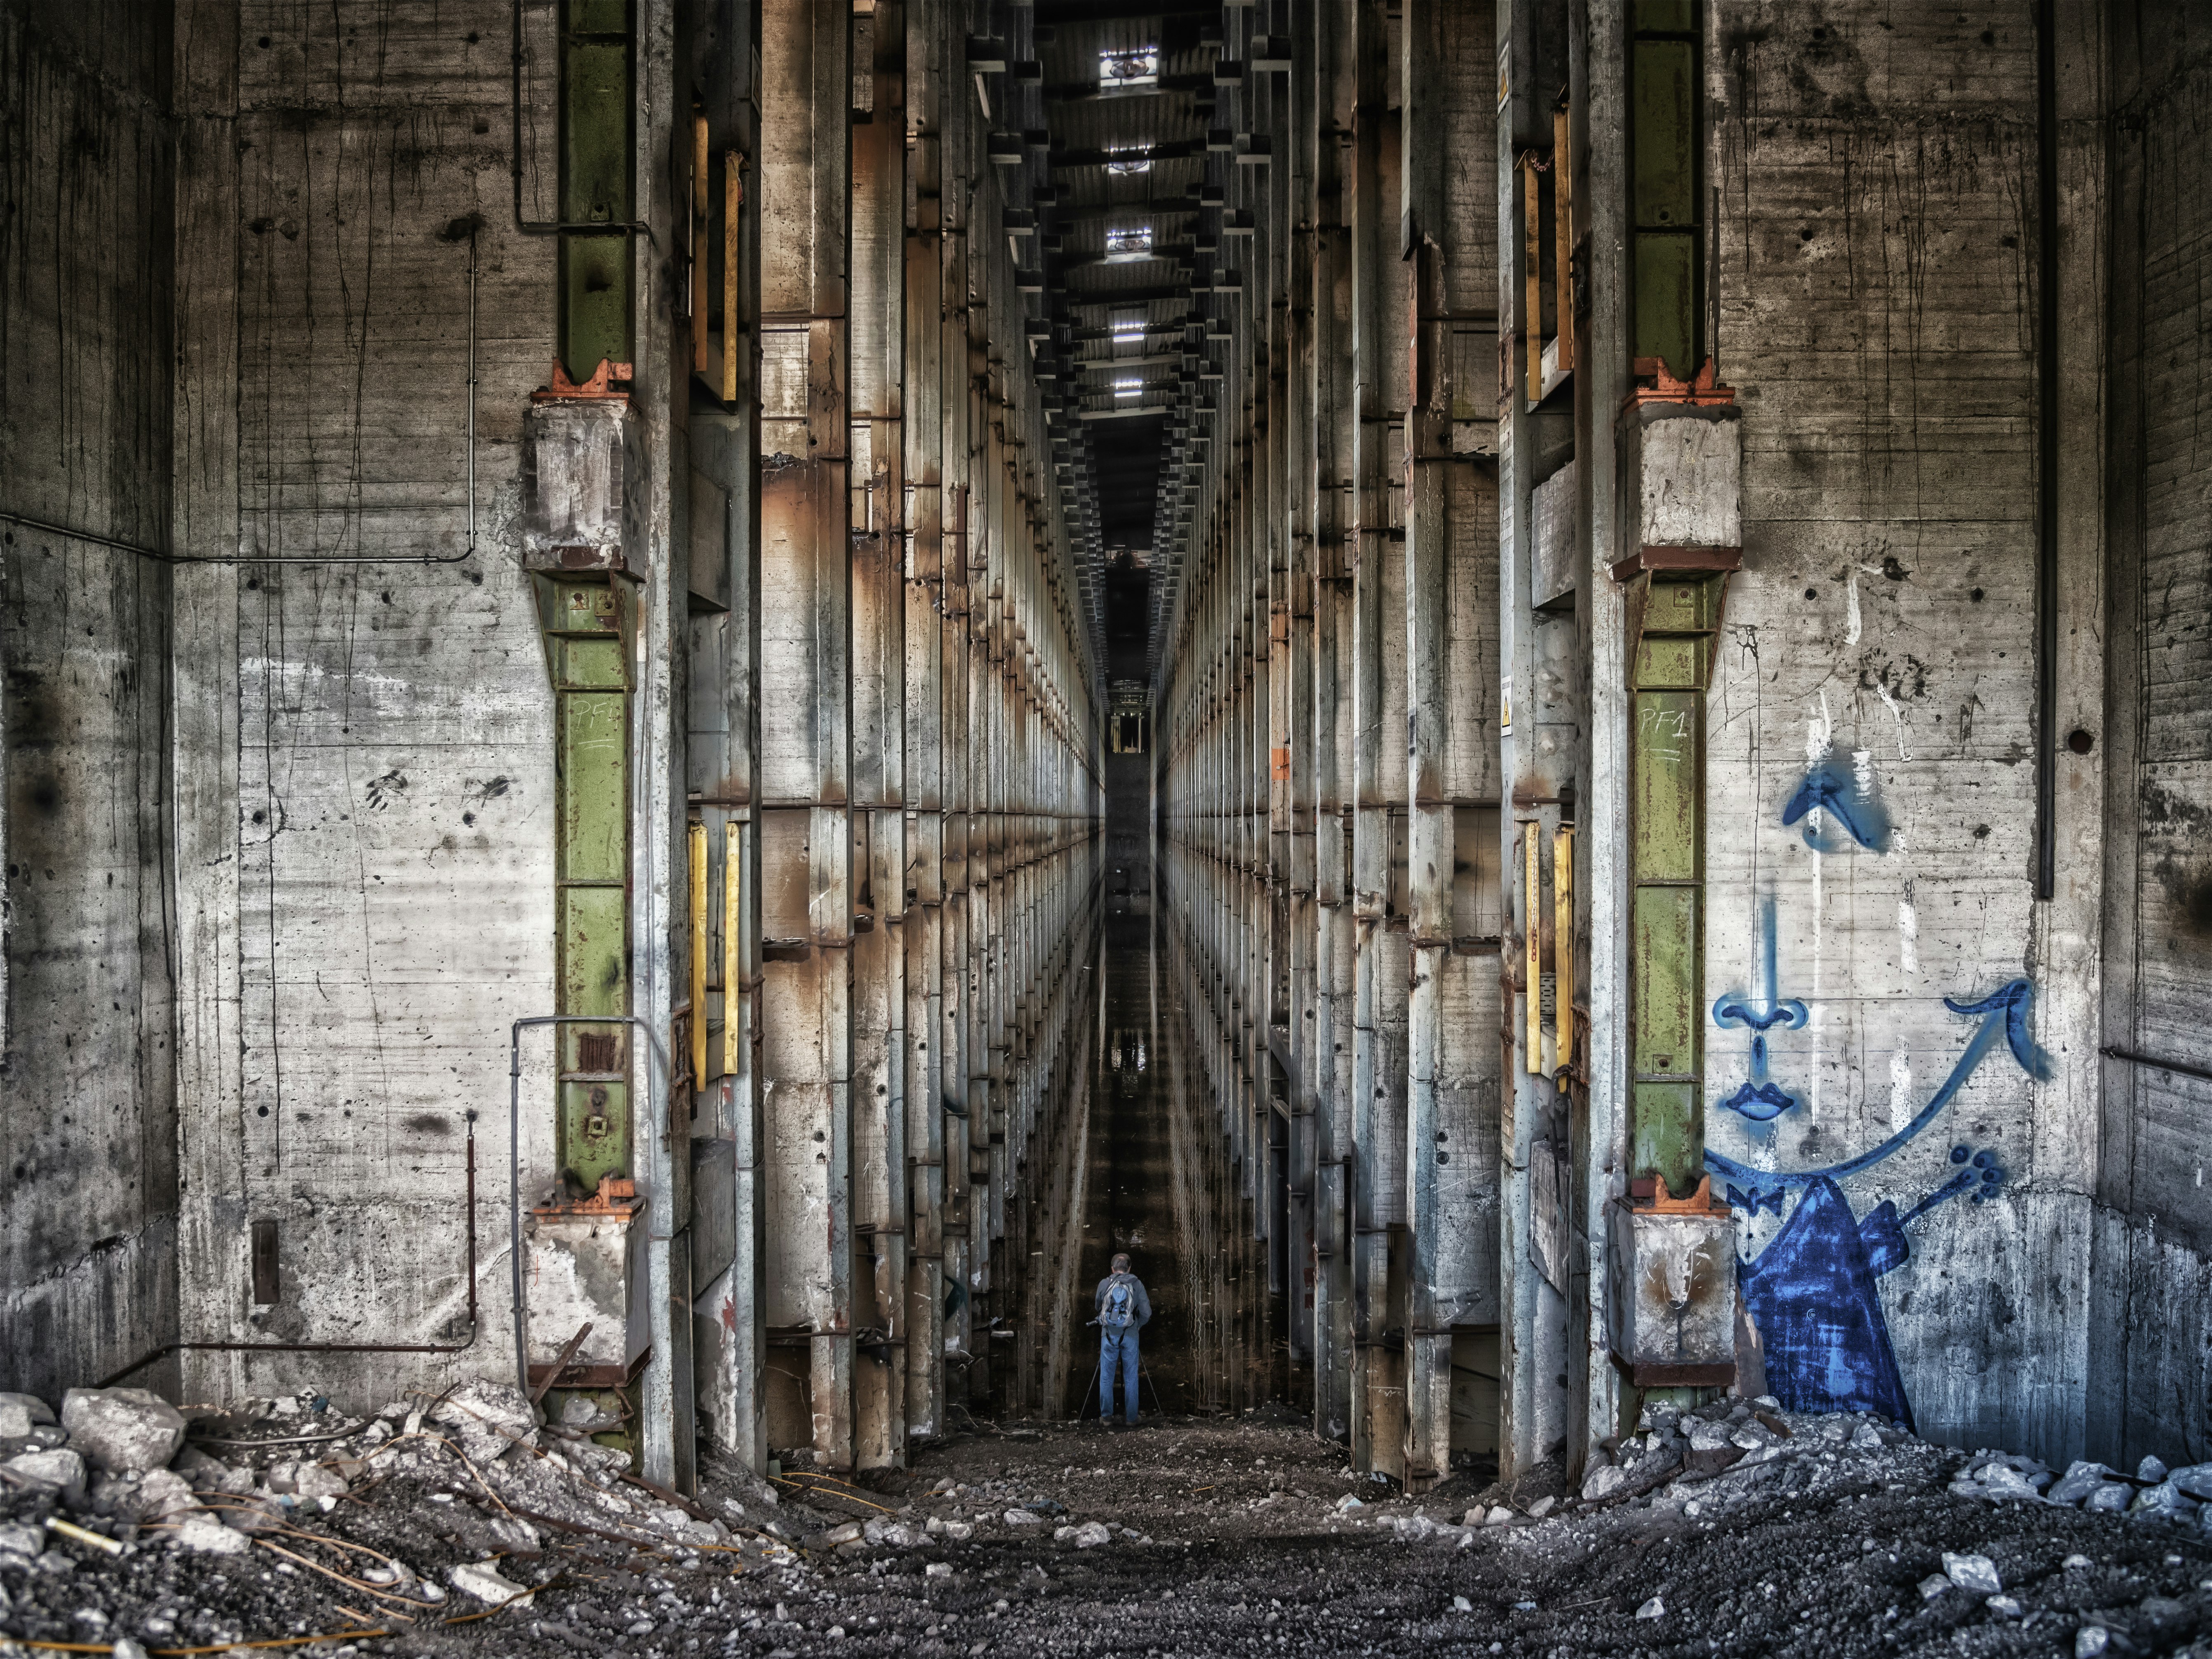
<point>1119,1311</point>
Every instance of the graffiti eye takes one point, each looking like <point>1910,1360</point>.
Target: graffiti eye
<point>1958,1155</point>
<point>1985,1160</point>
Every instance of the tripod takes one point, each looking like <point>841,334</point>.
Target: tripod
<point>1091,1393</point>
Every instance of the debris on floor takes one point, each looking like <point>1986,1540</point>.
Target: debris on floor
<point>463,1523</point>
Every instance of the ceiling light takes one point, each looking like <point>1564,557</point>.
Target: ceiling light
<point>1128,159</point>
<point>1127,242</point>
<point>1128,386</point>
<point>1140,68</point>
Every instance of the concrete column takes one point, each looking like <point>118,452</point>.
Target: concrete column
<point>877,505</point>
<point>1335,407</point>
<point>928,90</point>
<point>805,740</point>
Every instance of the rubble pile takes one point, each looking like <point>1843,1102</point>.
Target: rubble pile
<point>114,1514</point>
<point>1719,1453</point>
<point>466,1522</point>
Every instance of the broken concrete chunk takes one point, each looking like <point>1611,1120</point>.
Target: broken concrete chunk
<point>850,1533</point>
<point>1934,1585</point>
<point>1604,1482</point>
<point>2091,1640</point>
<point>1023,1518</point>
<point>163,1494</point>
<point>2196,1480</point>
<point>2152,1469</point>
<point>1865,1437</point>
<point>1541,1508</point>
<point>203,1535</point>
<point>1654,1608</point>
<point>33,1408</point>
<point>1708,1436</point>
<point>581,1414</point>
<point>119,1429</point>
<point>2111,1498</point>
<point>1999,1483</point>
<point>487,1418</point>
<point>59,1468</point>
<point>2164,1499</point>
<point>1976,1574</point>
<point>305,1480</point>
<point>1090,1535</point>
<point>473,1579</point>
<point>15,1421</point>
<point>2002,1607</point>
<point>19,1540</point>
<point>2081,1478</point>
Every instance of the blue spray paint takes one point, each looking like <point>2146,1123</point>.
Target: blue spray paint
<point>1832,790</point>
<point>1811,1291</point>
<point>1760,1100</point>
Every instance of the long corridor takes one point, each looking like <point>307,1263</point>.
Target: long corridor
<point>697,695</point>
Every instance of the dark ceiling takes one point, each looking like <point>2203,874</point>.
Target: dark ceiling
<point>1115,207</point>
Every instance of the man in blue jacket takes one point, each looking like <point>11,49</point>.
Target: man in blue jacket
<point>1123,1311</point>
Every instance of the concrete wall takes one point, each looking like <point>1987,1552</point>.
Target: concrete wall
<point>1875,174</point>
<point>371,902</point>
<point>2147,1384</point>
<point>89,1181</point>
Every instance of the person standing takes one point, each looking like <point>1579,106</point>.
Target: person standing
<point>1123,1311</point>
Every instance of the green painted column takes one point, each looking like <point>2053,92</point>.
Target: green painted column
<point>1667,713</point>
<point>591,693</point>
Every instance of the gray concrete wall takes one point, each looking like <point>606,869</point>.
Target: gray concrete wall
<point>1875,176</point>
<point>89,1178</point>
<point>2147,1383</point>
<point>369,902</point>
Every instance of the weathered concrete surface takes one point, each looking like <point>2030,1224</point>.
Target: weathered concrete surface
<point>382,906</point>
<point>1877,316</point>
<point>88,1184</point>
<point>2150,1333</point>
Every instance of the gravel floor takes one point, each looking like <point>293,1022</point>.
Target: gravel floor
<point>1233,1537</point>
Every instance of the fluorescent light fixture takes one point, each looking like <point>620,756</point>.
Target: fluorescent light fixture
<point>1124,160</point>
<point>1125,242</point>
<point>1128,386</point>
<point>1140,68</point>
<point>1127,329</point>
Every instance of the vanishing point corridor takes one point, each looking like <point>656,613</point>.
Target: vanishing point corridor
<point>698,697</point>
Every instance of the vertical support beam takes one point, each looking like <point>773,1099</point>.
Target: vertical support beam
<point>877,499</point>
<point>718,48</point>
<point>1378,1082</point>
<point>661,1131</point>
<point>1336,413</point>
<point>204,687</point>
<point>2070,941</point>
<point>1301,754</point>
<point>1598,99</point>
<point>805,761</point>
<point>1426,239</point>
<point>923,369</point>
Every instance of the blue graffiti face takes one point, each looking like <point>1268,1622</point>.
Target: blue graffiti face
<point>1811,1292</point>
<point>1833,792</point>
<point>1762,1100</point>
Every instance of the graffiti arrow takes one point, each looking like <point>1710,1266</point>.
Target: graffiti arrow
<point>2006,1011</point>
